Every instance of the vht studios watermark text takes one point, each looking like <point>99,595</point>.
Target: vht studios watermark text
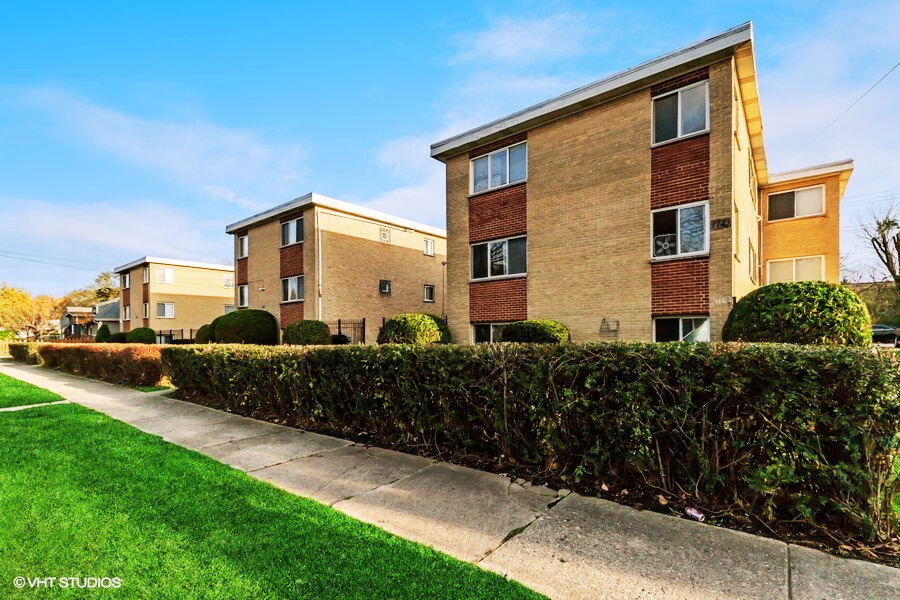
<point>68,582</point>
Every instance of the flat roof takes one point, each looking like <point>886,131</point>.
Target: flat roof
<point>313,199</point>
<point>172,261</point>
<point>842,168</point>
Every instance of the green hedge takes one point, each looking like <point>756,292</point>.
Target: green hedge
<point>413,328</point>
<point>203,335</point>
<point>131,364</point>
<point>141,335</point>
<point>246,326</point>
<point>307,332</point>
<point>538,331</point>
<point>26,352</point>
<point>103,334</point>
<point>779,431</point>
<point>801,312</point>
<point>119,337</point>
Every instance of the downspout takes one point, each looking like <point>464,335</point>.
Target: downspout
<point>319,274</point>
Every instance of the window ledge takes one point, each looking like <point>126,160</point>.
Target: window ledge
<point>679,257</point>
<point>289,245</point>
<point>291,301</point>
<point>788,219</point>
<point>499,187</point>
<point>680,139</point>
<point>498,278</point>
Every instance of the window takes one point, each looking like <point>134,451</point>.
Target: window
<point>243,296</point>
<point>384,286</point>
<point>146,310</point>
<point>754,267</point>
<point>684,329</point>
<point>499,258</point>
<point>127,313</point>
<point>146,274</point>
<point>384,235</point>
<point>680,231</point>
<point>429,247</point>
<point>488,333</point>
<point>243,246</point>
<point>228,308</point>
<point>797,203</point>
<point>796,269</point>
<point>165,310</point>
<point>125,279</point>
<point>428,293</point>
<point>292,289</point>
<point>228,280</point>
<point>292,232</point>
<point>681,113</point>
<point>509,165</point>
<point>165,275</point>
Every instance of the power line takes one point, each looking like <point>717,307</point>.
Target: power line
<point>874,85</point>
<point>72,260</point>
<point>43,262</point>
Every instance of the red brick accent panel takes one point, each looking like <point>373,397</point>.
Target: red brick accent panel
<point>498,214</point>
<point>498,301</point>
<point>126,297</point>
<point>680,287</point>
<point>146,292</point>
<point>680,81</point>
<point>126,326</point>
<point>241,271</point>
<point>679,172</point>
<point>482,150</point>
<point>290,312</point>
<point>145,323</point>
<point>292,260</point>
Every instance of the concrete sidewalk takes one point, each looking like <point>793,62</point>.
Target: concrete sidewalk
<point>563,545</point>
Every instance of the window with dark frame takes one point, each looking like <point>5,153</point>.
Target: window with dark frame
<point>501,167</point>
<point>681,329</point>
<point>499,258</point>
<point>681,113</point>
<point>488,333</point>
<point>796,203</point>
<point>292,232</point>
<point>292,289</point>
<point>384,287</point>
<point>428,293</point>
<point>679,231</point>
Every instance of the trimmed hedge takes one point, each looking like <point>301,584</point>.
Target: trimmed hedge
<point>778,431</point>
<point>246,326</point>
<point>26,352</point>
<point>413,328</point>
<point>141,335</point>
<point>307,332</point>
<point>103,334</point>
<point>203,335</point>
<point>538,331</point>
<point>802,312</point>
<point>119,337</point>
<point>133,364</point>
<point>443,326</point>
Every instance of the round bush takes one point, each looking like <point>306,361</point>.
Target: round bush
<point>802,312</point>
<point>119,337</point>
<point>307,332</point>
<point>410,329</point>
<point>537,331</point>
<point>103,334</point>
<point>442,325</point>
<point>246,326</point>
<point>203,335</point>
<point>141,335</point>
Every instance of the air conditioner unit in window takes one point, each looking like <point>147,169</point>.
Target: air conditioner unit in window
<point>384,286</point>
<point>664,245</point>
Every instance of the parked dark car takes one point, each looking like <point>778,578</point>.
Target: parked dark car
<point>884,334</point>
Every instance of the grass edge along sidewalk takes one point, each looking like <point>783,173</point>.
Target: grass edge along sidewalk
<point>14,393</point>
<point>88,496</point>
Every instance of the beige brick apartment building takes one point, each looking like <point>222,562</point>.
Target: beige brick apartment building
<point>320,258</point>
<point>173,296</point>
<point>639,207</point>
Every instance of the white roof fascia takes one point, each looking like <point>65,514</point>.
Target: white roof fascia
<point>727,39</point>
<point>814,171</point>
<point>172,262</point>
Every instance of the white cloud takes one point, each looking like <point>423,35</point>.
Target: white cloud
<point>232,164</point>
<point>523,41</point>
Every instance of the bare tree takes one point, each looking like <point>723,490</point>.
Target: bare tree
<point>884,235</point>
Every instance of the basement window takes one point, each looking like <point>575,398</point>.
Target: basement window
<point>488,333</point>
<point>682,113</point>
<point>681,329</point>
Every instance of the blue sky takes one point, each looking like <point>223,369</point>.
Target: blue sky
<point>137,129</point>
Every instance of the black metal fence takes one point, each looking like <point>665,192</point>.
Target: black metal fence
<point>175,336</point>
<point>348,331</point>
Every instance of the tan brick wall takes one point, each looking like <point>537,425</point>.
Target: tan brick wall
<point>589,219</point>
<point>354,260</point>
<point>263,267</point>
<point>805,236</point>
<point>199,296</point>
<point>457,170</point>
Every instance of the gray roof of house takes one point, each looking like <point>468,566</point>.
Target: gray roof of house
<point>107,311</point>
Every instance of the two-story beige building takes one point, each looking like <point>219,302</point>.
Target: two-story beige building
<point>320,258</point>
<point>173,297</point>
<point>639,207</point>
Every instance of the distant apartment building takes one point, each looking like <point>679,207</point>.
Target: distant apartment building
<point>320,258</point>
<point>639,207</point>
<point>173,297</point>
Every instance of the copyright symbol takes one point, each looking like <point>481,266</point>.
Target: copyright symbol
<point>19,582</point>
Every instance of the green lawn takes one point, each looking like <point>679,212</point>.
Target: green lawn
<point>83,495</point>
<point>18,393</point>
